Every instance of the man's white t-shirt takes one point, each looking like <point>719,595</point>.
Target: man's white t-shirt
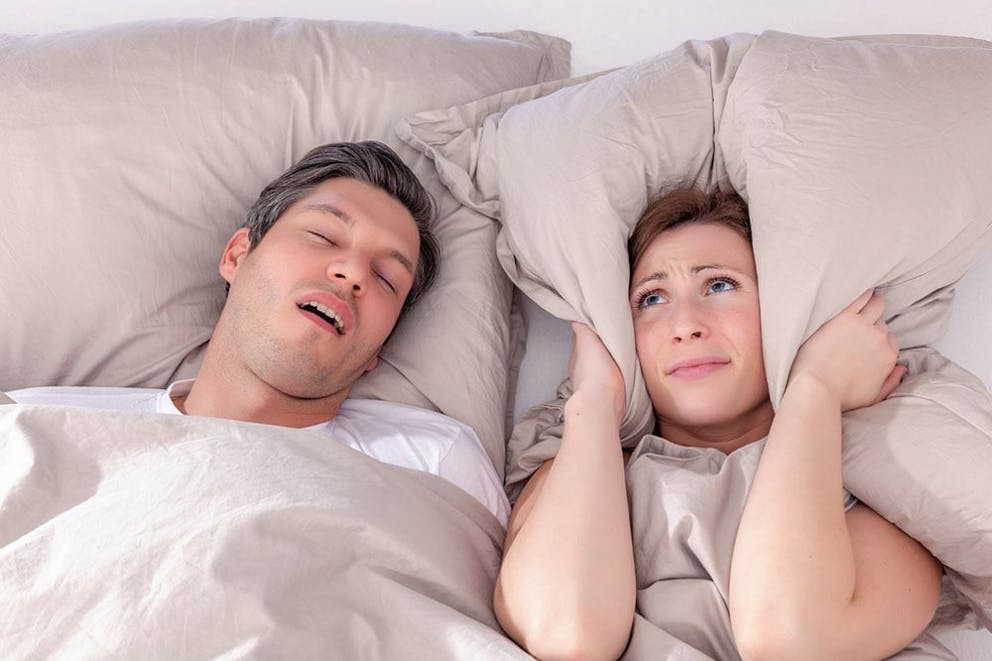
<point>392,433</point>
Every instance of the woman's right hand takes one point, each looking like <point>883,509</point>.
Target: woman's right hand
<point>593,371</point>
<point>853,355</point>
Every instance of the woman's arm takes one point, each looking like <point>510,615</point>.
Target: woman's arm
<point>807,579</point>
<point>566,586</point>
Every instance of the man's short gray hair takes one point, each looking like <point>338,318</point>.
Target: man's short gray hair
<point>369,162</point>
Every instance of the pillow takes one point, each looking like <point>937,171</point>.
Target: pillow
<point>878,150</point>
<point>865,162</point>
<point>132,152</point>
<point>566,168</point>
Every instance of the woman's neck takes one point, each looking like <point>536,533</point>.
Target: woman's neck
<point>726,436</point>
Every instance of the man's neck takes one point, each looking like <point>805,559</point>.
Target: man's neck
<point>224,394</point>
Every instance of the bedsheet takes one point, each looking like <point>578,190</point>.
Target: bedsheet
<point>133,535</point>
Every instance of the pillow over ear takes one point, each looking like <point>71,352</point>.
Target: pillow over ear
<point>866,164</point>
<point>568,173</point>
<point>132,153</point>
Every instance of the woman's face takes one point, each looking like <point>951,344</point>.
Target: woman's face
<point>694,299</point>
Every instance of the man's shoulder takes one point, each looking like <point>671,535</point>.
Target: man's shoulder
<point>374,422</point>
<point>393,412</point>
<point>425,440</point>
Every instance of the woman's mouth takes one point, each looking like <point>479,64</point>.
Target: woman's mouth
<point>696,368</point>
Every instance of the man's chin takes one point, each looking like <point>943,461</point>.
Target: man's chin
<point>300,386</point>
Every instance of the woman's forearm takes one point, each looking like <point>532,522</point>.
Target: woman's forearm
<point>793,563</point>
<point>566,586</point>
<point>807,579</point>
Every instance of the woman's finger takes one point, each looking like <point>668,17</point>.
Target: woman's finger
<point>893,342</point>
<point>861,301</point>
<point>891,382</point>
<point>873,309</point>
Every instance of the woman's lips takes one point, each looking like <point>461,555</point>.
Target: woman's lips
<point>696,368</point>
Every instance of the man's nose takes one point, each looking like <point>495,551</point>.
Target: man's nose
<point>350,271</point>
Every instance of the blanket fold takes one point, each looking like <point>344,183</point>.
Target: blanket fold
<point>160,537</point>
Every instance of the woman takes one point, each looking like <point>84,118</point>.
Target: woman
<point>811,576</point>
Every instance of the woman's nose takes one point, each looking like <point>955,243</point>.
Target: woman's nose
<point>688,323</point>
<point>691,335</point>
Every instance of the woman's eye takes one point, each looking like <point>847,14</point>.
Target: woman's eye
<point>650,298</point>
<point>718,285</point>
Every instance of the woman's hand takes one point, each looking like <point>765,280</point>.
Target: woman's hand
<point>853,355</point>
<point>594,373</point>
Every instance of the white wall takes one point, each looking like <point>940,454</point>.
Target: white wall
<point>605,34</point>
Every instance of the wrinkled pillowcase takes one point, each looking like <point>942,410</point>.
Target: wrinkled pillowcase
<point>132,152</point>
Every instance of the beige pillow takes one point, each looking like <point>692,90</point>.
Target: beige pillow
<point>132,152</point>
<point>866,162</point>
<point>566,168</point>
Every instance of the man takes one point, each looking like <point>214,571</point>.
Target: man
<point>332,253</point>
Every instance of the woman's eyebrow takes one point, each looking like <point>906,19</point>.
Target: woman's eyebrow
<point>695,270</point>
<point>714,267</point>
<point>657,275</point>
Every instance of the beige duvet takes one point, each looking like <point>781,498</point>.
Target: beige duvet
<point>143,536</point>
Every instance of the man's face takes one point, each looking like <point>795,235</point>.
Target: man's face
<point>311,304</point>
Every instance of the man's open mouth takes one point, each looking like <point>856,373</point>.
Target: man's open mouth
<point>325,313</point>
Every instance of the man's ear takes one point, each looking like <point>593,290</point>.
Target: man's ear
<point>237,248</point>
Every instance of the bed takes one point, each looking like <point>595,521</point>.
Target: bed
<point>130,154</point>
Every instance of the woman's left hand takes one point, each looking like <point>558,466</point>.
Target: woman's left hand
<point>853,355</point>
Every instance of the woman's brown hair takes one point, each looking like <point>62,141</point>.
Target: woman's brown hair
<point>684,205</point>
